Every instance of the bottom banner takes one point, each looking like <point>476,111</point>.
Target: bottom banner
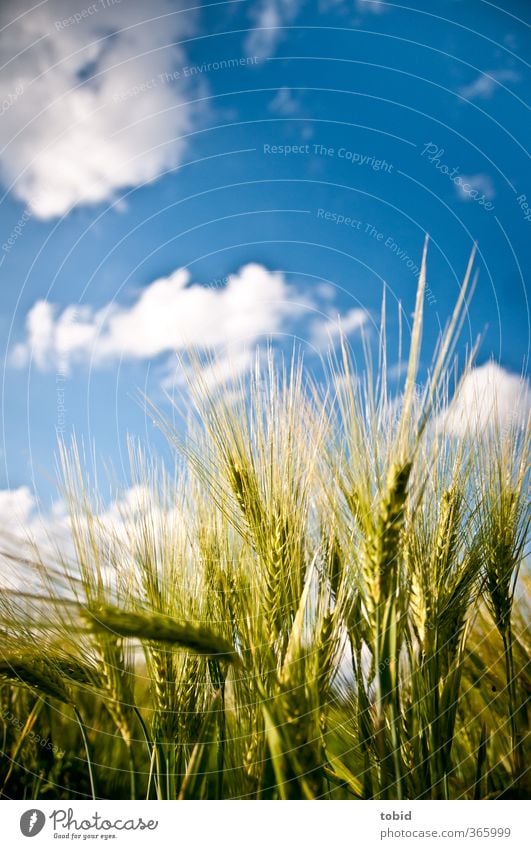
<point>281,825</point>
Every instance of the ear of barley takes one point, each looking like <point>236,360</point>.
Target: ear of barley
<point>389,527</point>
<point>36,674</point>
<point>158,628</point>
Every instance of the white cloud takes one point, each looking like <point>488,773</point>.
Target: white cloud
<point>16,506</point>
<point>222,368</point>
<point>121,517</point>
<point>171,314</point>
<point>325,332</point>
<point>26,527</point>
<point>22,518</point>
<point>82,127</point>
<point>475,182</point>
<point>23,525</point>
<point>397,370</point>
<point>174,314</point>
<point>372,7</point>
<point>284,103</point>
<point>489,396</point>
<point>486,84</point>
<point>227,367</point>
<point>269,17</point>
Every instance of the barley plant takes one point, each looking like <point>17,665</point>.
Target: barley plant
<point>324,598</point>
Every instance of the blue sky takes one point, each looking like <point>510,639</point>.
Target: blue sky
<point>235,171</point>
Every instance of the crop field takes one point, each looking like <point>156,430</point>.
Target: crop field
<point>324,598</point>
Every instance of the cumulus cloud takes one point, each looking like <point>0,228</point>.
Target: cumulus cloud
<point>325,332</point>
<point>486,84</point>
<point>269,17</point>
<point>22,526</point>
<point>16,506</point>
<point>97,102</point>
<point>23,518</point>
<point>489,397</point>
<point>27,525</point>
<point>226,367</point>
<point>171,314</point>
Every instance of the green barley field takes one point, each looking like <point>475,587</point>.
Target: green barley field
<point>323,599</point>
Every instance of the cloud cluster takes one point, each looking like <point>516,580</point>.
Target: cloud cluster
<point>269,17</point>
<point>16,506</point>
<point>326,332</point>
<point>489,397</point>
<point>70,137</point>
<point>475,183</point>
<point>171,314</point>
<point>284,103</point>
<point>371,7</point>
<point>487,84</point>
<point>26,525</point>
<point>176,314</point>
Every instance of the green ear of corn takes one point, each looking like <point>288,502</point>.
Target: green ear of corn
<point>155,627</point>
<point>35,674</point>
